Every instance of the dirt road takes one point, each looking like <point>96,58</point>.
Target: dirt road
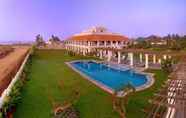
<point>10,64</point>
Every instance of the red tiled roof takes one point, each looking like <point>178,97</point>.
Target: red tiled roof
<point>99,37</point>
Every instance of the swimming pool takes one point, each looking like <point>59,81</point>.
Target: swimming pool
<point>113,78</point>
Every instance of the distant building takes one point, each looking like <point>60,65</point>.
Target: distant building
<point>155,40</point>
<point>152,40</point>
<point>96,37</point>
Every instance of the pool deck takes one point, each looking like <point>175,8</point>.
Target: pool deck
<point>149,83</point>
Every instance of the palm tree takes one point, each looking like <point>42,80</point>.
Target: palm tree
<point>120,102</point>
<point>40,41</point>
<point>55,40</point>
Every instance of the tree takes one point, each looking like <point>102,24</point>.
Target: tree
<point>166,65</point>
<point>176,45</point>
<point>39,41</point>
<point>182,42</point>
<point>54,40</point>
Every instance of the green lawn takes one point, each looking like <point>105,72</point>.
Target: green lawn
<point>51,77</point>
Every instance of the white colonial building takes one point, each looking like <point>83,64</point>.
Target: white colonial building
<point>94,38</point>
<point>109,46</point>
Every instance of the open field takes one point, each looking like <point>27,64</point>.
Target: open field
<point>5,50</point>
<point>50,79</point>
<point>9,66</point>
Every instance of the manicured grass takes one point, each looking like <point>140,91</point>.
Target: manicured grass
<point>50,78</point>
<point>48,74</point>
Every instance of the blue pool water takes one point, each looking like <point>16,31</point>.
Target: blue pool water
<point>111,77</point>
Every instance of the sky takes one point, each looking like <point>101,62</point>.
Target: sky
<point>22,20</point>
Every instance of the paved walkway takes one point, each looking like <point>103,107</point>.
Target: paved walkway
<point>179,74</point>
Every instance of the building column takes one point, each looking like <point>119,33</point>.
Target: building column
<point>165,57</point>
<point>159,61</point>
<point>78,50</point>
<point>84,52</point>
<point>88,49</point>
<point>101,54</point>
<point>74,49</point>
<point>97,43</point>
<point>146,61</point>
<point>105,43</point>
<point>70,48</point>
<point>109,55</point>
<point>141,58</point>
<point>154,59</point>
<point>131,59</point>
<point>105,53</point>
<point>117,44</point>
<point>119,57</point>
<point>89,43</point>
<point>111,43</point>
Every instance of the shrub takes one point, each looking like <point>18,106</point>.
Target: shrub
<point>71,53</point>
<point>1,115</point>
<point>69,112</point>
<point>32,50</point>
<point>93,53</point>
<point>13,98</point>
<point>166,65</point>
<point>67,109</point>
